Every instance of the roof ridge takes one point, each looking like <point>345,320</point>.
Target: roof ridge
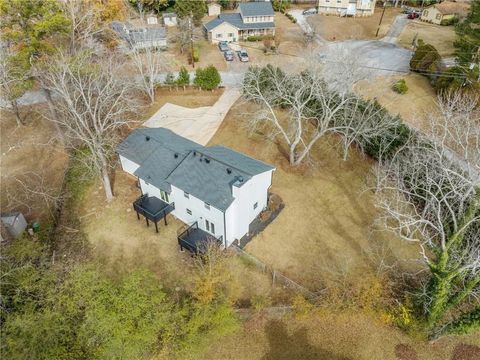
<point>240,153</point>
<point>224,163</point>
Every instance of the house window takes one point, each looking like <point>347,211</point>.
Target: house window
<point>187,195</point>
<point>255,205</point>
<point>230,34</point>
<point>210,227</point>
<point>439,16</point>
<point>207,206</point>
<point>219,36</point>
<point>189,212</point>
<point>164,196</point>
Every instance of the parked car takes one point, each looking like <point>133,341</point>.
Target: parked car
<point>243,55</point>
<point>310,11</point>
<point>228,55</point>
<point>413,15</point>
<point>223,46</point>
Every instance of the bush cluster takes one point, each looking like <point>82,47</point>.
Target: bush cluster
<point>400,87</point>
<point>255,38</point>
<point>208,78</point>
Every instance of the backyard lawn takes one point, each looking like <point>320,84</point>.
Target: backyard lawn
<point>335,28</point>
<point>414,106</point>
<point>441,37</point>
<point>326,228</point>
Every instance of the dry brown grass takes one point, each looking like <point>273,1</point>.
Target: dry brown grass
<point>335,28</point>
<point>122,243</point>
<point>441,37</point>
<point>413,106</point>
<point>325,228</point>
<point>346,336</point>
<point>28,149</point>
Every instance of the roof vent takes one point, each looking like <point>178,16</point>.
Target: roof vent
<point>175,156</point>
<point>207,161</point>
<point>240,179</point>
<point>194,153</point>
<point>229,171</point>
<point>147,138</point>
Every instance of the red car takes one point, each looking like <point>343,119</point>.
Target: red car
<point>413,15</point>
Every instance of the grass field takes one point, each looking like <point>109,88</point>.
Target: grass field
<point>441,37</point>
<point>344,336</point>
<point>30,156</point>
<point>414,106</point>
<point>326,228</point>
<point>335,28</point>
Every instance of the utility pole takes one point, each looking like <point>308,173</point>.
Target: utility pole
<point>191,39</point>
<point>381,18</point>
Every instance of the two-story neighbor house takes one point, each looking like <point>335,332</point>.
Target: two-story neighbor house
<point>215,189</point>
<point>251,19</point>
<point>347,7</point>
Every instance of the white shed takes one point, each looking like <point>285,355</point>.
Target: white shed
<point>14,223</point>
<point>152,20</point>
<point>169,19</point>
<point>214,9</point>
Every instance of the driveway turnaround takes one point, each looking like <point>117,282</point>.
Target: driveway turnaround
<point>197,124</point>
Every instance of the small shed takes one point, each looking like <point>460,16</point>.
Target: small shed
<point>214,9</point>
<point>152,20</point>
<point>169,19</point>
<point>14,223</point>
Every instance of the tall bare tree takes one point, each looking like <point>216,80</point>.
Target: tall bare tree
<point>430,194</point>
<point>314,110</point>
<point>82,21</point>
<point>93,102</point>
<point>149,63</point>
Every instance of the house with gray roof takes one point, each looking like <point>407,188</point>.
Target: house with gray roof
<point>216,191</point>
<point>251,19</point>
<point>141,37</point>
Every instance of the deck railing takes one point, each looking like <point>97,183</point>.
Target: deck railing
<point>184,234</point>
<point>137,205</point>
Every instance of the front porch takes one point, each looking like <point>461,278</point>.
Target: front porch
<point>195,239</point>
<point>153,209</point>
<point>244,34</point>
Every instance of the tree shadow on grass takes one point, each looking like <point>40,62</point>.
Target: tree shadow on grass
<point>296,346</point>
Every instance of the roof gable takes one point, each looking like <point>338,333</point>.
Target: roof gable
<point>257,8</point>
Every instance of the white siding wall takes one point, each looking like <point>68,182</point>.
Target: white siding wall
<point>128,165</point>
<point>150,189</point>
<point>226,32</point>
<point>199,212</point>
<point>242,212</point>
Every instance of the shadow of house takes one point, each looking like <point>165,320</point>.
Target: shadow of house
<point>296,346</point>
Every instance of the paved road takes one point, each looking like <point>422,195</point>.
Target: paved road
<point>396,29</point>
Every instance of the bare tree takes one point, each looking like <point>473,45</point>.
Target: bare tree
<point>82,21</point>
<point>13,84</point>
<point>93,102</point>
<point>430,195</point>
<point>149,63</point>
<point>314,110</point>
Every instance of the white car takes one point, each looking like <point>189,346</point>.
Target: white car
<point>243,55</point>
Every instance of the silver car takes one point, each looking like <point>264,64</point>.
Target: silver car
<point>243,55</point>
<point>228,55</point>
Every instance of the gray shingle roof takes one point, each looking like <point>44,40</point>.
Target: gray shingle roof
<point>147,34</point>
<point>257,8</point>
<point>235,19</point>
<point>208,173</point>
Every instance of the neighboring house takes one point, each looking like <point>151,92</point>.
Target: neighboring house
<point>347,7</point>
<point>216,191</point>
<point>142,37</point>
<point>14,224</point>
<point>251,19</point>
<point>445,12</point>
<point>169,19</point>
<point>214,9</point>
<point>152,19</point>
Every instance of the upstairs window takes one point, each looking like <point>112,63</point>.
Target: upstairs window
<point>189,212</point>
<point>207,206</point>
<point>255,205</point>
<point>187,195</point>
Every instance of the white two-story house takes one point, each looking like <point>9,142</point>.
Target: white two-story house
<point>215,190</point>
<point>251,19</point>
<point>347,7</point>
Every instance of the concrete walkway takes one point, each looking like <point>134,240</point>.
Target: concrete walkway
<point>197,124</point>
<point>396,29</point>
